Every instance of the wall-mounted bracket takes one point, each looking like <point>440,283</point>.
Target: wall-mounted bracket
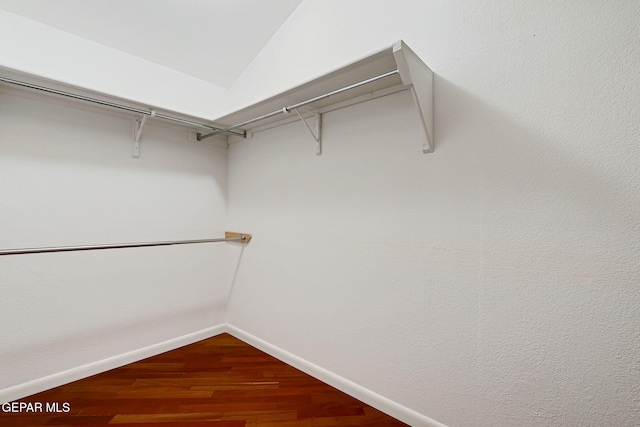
<point>419,79</point>
<point>317,134</point>
<point>137,133</point>
<point>238,237</point>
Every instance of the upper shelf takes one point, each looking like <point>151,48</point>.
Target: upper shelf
<point>390,70</point>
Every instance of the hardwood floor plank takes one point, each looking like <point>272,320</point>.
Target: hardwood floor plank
<point>285,423</point>
<point>271,416</point>
<point>131,409</point>
<point>183,424</point>
<point>224,406</point>
<point>79,420</point>
<point>218,382</point>
<point>167,417</point>
<point>162,393</point>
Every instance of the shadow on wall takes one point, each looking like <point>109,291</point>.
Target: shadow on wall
<point>234,277</point>
<point>98,341</point>
<point>71,177</point>
<point>64,310</point>
<point>557,314</point>
<point>42,128</point>
<point>545,192</point>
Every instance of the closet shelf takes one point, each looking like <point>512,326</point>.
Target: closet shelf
<point>393,69</point>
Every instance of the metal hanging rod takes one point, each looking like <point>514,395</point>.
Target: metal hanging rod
<point>298,105</point>
<point>231,237</point>
<point>114,105</point>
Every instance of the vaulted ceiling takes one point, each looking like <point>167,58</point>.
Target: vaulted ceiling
<point>212,40</point>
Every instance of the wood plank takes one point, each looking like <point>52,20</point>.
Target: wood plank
<point>162,418</point>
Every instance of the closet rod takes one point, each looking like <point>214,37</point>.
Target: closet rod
<point>113,105</point>
<point>242,238</point>
<point>298,105</point>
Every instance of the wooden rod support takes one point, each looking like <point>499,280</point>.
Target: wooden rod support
<point>244,237</point>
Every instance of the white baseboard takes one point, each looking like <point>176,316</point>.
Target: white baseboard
<point>365,395</point>
<point>41,384</point>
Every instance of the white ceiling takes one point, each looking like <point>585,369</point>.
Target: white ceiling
<point>213,40</point>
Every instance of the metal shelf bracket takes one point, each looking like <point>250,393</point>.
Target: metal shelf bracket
<point>317,133</point>
<point>137,134</point>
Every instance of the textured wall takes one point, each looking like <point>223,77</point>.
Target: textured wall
<point>67,177</point>
<point>494,282</point>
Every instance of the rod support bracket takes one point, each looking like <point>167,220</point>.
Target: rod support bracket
<point>242,237</point>
<point>315,133</point>
<point>137,133</point>
<point>200,136</point>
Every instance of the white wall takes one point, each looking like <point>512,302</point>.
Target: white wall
<point>46,52</point>
<point>67,177</point>
<point>494,282</point>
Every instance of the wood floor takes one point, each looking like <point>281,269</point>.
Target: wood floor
<point>218,382</point>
